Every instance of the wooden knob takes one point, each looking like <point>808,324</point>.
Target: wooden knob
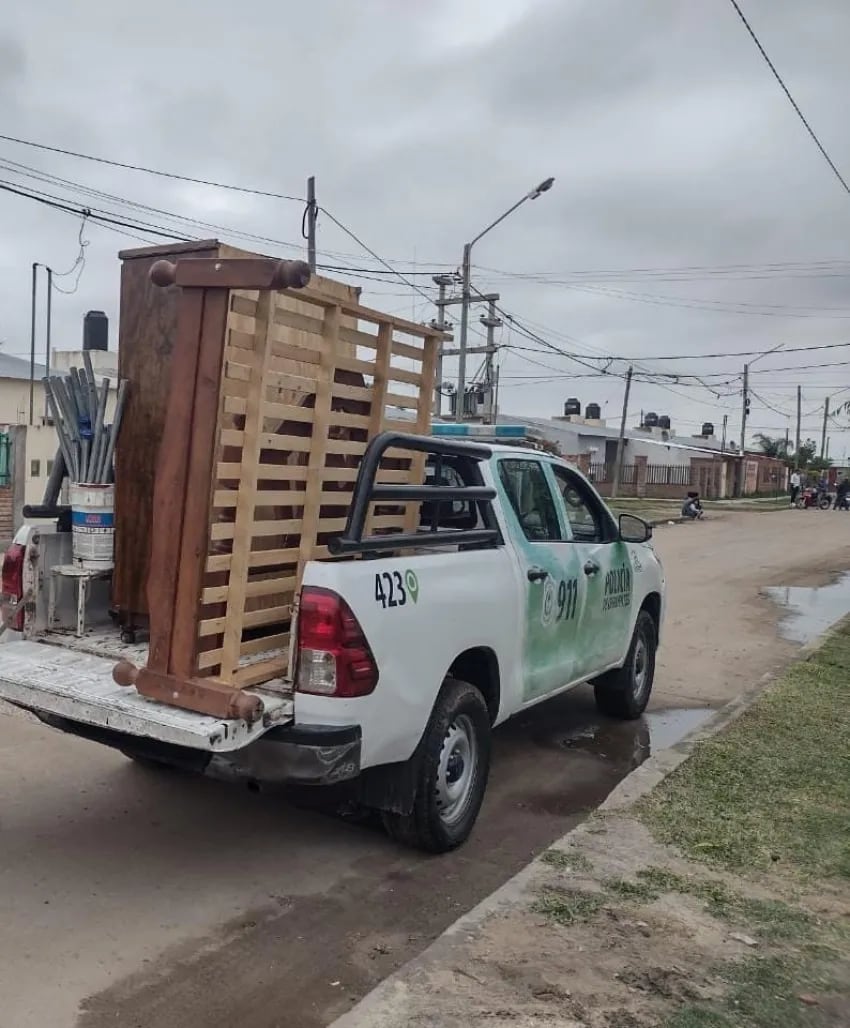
<point>124,673</point>
<point>249,708</point>
<point>290,275</point>
<point>163,273</point>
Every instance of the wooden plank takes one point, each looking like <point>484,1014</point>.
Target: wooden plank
<point>361,313</point>
<point>208,659</point>
<point>358,338</point>
<point>353,364</point>
<point>401,349</point>
<point>226,499</point>
<point>383,356</point>
<point>147,332</point>
<point>199,484</point>
<point>403,375</point>
<point>263,587</point>
<point>400,400</point>
<point>222,530</point>
<point>319,440</point>
<point>243,525</point>
<point>259,559</point>
<point>170,482</point>
<point>423,424</point>
<point>349,392</point>
<point>253,619</point>
<point>267,644</point>
<point>227,472</point>
<point>254,674</point>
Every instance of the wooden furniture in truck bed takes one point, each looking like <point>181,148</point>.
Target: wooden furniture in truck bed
<point>269,412</point>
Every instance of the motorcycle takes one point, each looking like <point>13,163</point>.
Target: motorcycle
<point>811,497</point>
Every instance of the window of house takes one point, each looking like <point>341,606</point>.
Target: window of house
<point>35,468</point>
<point>49,467</point>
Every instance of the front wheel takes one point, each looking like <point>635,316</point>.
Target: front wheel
<point>454,765</point>
<point>624,692</point>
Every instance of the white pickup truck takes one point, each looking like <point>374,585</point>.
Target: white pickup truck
<point>521,585</point>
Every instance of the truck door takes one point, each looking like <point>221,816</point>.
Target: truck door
<point>606,569</point>
<point>552,574</point>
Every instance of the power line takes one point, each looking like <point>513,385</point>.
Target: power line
<point>150,171</point>
<point>791,99</point>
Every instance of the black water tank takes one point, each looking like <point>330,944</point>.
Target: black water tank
<point>572,406</point>
<point>96,331</point>
<point>664,421</point>
<point>650,419</point>
<point>707,428</point>
<point>593,411</point>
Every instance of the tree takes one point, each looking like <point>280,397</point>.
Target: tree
<point>772,446</point>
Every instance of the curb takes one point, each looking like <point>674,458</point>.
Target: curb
<point>389,994</point>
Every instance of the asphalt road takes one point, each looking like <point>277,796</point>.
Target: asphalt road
<point>149,900</point>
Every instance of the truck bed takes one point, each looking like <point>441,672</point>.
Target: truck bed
<point>72,678</point>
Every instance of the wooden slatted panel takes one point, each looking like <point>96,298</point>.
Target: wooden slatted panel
<point>306,382</point>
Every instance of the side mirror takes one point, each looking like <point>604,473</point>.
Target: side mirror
<point>634,529</point>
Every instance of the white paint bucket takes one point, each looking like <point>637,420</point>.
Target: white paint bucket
<point>93,525</point>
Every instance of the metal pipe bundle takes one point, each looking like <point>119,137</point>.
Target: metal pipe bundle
<point>78,409</point>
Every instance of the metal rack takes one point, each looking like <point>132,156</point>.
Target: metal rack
<point>368,491</point>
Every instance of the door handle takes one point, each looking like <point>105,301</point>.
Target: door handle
<point>537,574</point>
<point>590,568</point>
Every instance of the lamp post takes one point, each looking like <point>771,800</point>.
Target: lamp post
<point>466,275</point>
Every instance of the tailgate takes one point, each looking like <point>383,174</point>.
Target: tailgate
<point>79,686</point>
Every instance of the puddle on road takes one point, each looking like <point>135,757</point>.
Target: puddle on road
<point>631,742</point>
<point>623,744</point>
<point>811,611</point>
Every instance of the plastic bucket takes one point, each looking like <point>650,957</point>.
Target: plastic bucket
<point>93,525</point>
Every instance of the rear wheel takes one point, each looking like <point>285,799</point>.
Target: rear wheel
<point>453,768</point>
<point>624,692</point>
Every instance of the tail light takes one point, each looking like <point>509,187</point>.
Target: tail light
<point>334,658</point>
<point>12,585</point>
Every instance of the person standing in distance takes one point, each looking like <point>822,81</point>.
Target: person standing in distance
<point>795,486</point>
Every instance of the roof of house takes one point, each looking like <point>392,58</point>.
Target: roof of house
<point>18,367</point>
<point>554,429</point>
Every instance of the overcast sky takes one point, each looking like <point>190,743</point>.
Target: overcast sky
<point>671,144</point>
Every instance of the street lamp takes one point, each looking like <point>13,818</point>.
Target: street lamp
<point>466,275</point>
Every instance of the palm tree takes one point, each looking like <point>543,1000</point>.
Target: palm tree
<point>772,446</point>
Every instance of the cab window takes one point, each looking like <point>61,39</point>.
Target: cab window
<point>582,510</point>
<point>528,492</point>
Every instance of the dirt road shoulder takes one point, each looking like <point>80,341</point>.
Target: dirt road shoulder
<point>720,899</point>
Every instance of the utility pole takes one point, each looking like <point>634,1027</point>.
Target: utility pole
<point>491,322</point>
<point>311,215</point>
<point>47,345</point>
<point>745,410</point>
<point>823,430</point>
<point>442,281</point>
<point>799,404</point>
<point>618,466</point>
<point>723,437</point>
<point>32,340</point>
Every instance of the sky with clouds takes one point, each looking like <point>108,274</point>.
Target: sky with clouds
<point>691,213</point>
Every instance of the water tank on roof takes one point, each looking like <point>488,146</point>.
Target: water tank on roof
<point>95,331</point>
<point>664,421</point>
<point>572,406</point>
<point>707,429</point>
<point>650,419</point>
<point>593,411</point>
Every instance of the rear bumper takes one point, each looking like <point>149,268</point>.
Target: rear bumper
<point>290,754</point>
<point>303,754</point>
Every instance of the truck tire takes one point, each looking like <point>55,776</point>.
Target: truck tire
<point>454,764</point>
<point>624,692</point>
